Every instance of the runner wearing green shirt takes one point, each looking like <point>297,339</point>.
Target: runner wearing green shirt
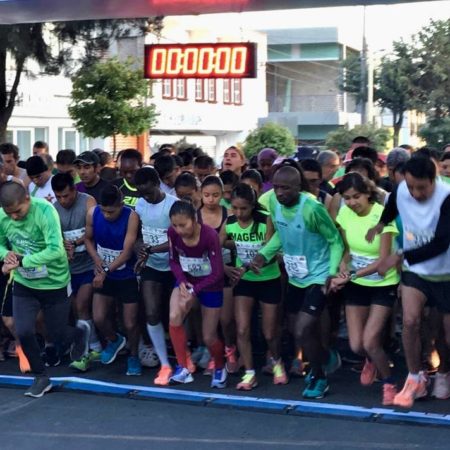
<point>312,250</point>
<point>32,246</point>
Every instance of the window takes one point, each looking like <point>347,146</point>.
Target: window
<point>237,91</point>
<point>212,91</point>
<point>227,92</point>
<point>24,138</point>
<point>181,89</point>
<point>70,138</point>
<point>200,90</point>
<point>167,89</point>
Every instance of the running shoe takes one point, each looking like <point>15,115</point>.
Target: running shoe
<point>24,364</point>
<point>368,374</point>
<point>441,388</point>
<point>51,356</point>
<point>181,375</point>
<point>389,393</point>
<point>163,377</point>
<point>334,362</point>
<point>40,386</point>
<point>210,369</point>
<point>112,349</point>
<point>134,367</point>
<point>219,378</point>
<point>80,344</point>
<point>316,388</point>
<point>94,355</point>
<point>247,383</point>
<point>197,354</point>
<point>204,360</point>
<point>148,357</point>
<point>190,364</point>
<point>410,392</point>
<point>297,369</point>
<point>231,364</point>
<point>279,374</point>
<point>81,365</point>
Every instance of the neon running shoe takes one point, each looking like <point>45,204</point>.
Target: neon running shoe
<point>82,364</point>
<point>134,367</point>
<point>163,377</point>
<point>94,356</point>
<point>148,357</point>
<point>410,392</point>
<point>316,388</point>
<point>441,388</point>
<point>247,383</point>
<point>219,378</point>
<point>24,364</point>
<point>334,362</point>
<point>232,364</point>
<point>181,375</point>
<point>368,374</point>
<point>210,369</point>
<point>112,349</point>
<point>389,393</point>
<point>279,374</point>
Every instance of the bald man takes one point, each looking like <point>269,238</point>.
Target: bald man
<point>312,249</point>
<point>33,249</point>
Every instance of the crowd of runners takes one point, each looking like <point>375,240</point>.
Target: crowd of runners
<point>175,256</point>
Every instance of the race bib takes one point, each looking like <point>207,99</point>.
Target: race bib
<point>296,266</point>
<point>73,235</point>
<point>196,267</point>
<point>154,236</point>
<point>33,273</point>
<point>246,251</point>
<point>418,238</point>
<point>108,255</point>
<point>360,262</point>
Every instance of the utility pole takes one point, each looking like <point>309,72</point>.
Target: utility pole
<point>363,87</point>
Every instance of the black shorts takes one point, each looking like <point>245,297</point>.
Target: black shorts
<point>126,291</point>
<point>6,295</point>
<point>357,295</point>
<point>436,292</point>
<point>310,300</point>
<point>164,277</point>
<point>262,291</point>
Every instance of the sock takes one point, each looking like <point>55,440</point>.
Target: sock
<point>217,351</point>
<point>179,342</point>
<point>156,333</point>
<point>94,341</point>
<point>250,372</point>
<point>414,376</point>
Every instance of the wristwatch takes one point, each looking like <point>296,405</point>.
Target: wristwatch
<point>399,252</point>
<point>353,275</point>
<point>106,269</point>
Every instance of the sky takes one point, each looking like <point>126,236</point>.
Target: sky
<point>384,23</point>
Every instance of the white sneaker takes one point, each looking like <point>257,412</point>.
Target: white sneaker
<point>441,388</point>
<point>148,357</point>
<point>219,378</point>
<point>181,375</point>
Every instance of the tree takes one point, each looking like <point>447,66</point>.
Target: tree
<point>436,132</point>
<point>35,41</point>
<point>270,135</point>
<point>341,139</point>
<point>109,98</point>
<point>351,78</point>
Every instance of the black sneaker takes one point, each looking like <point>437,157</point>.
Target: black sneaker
<point>80,345</point>
<point>40,386</point>
<point>51,357</point>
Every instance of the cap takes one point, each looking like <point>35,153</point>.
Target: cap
<point>35,165</point>
<point>267,153</point>
<point>87,158</point>
<point>304,152</point>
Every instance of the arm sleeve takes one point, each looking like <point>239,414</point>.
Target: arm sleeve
<point>324,225</point>
<point>54,248</point>
<point>174,260</point>
<point>272,247</point>
<point>390,211</point>
<point>215,257</point>
<point>440,242</point>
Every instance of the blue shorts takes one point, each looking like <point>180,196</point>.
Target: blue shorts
<point>78,279</point>
<point>213,299</point>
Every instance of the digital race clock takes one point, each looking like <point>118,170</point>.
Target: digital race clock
<point>218,60</point>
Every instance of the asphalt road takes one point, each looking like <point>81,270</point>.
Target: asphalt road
<point>65,420</point>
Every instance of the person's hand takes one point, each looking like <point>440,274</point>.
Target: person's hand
<point>377,229</point>
<point>144,252</point>
<point>343,267</point>
<point>70,249</point>
<point>387,263</point>
<point>99,279</point>
<point>234,273</point>
<point>337,283</point>
<point>7,268</point>
<point>257,263</point>
<point>186,293</point>
<point>98,266</point>
<point>11,258</point>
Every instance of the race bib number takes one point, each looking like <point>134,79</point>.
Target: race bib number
<point>154,236</point>
<point>196,267</point>
<point>247,251</point>
<point>73,235</point>
<point>108,255</point>
<point>296,266</point>
<point>418,238</point>
<point>33,273</point>
<point>360,262</point>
